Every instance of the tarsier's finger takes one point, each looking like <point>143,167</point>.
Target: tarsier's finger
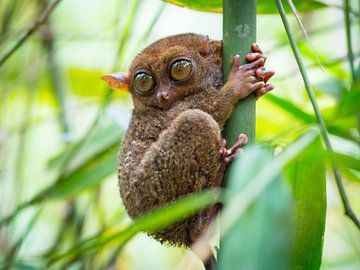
<point>242,139</point>
<point>267,75</point>
<point>254,56</point>
<point>222,150</point>
<point>255,64</point>
<point>235,63</point>
<point>263,74</point>
<point>257,86</point>
<point>267,88</point>
<point>251,79</point>
<point>255,47</point>
<point>231,156</point>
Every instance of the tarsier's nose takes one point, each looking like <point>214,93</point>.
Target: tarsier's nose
<point>164,97</point>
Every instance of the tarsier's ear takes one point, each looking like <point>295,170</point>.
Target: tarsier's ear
<point>215,46</point>
<point>215,50</point>
<point>210,47</point>
<point>118,80</point>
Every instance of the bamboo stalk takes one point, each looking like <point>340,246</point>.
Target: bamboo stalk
<point>239,32</point>
<point>339,182</point>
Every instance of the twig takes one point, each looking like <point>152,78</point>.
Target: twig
<point>348,38</point>
<point>31,30</point>
<point>56,79</point>
<point>350,53</point>
<point>302,27</point>
<point>347,208</point>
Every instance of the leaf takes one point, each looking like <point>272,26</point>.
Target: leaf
<point>264,229</point>
<point>254,181</point>
<point>201,5</point>
<point>99,140</point>
<point>350,103</point>
<point>307,177</point>
<point>346,161</point>
<point>87,175</point>
<point>153,220</point>
<point>263,6</point>
<point>331,86</point>
<point>291,108</point>
<point>339,129</point>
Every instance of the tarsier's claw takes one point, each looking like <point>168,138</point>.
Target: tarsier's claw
<point>232,152</point>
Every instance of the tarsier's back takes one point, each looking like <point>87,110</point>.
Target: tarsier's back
<point>174,145</point>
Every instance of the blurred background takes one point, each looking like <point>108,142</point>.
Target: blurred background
<point>61,127</point>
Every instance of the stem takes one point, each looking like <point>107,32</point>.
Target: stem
<point>31,30</point>
<point>348,38</point>
<point>347,208</point>
<point>239,32</point>
<point>56,78</point>
<point>350,54</point>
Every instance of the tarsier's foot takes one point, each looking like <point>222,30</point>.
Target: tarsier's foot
<point>228,155</point>
<point>251,77</point>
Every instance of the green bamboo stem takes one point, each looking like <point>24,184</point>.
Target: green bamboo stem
<point>239,32</point>
<point>347,208</point>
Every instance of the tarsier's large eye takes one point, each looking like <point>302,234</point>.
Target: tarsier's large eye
<point>144,82</point>
<point>180,70</point>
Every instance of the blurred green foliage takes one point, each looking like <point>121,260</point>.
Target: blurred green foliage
<point>61,128</point>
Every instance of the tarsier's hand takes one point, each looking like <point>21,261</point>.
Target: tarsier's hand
<point>251,77</point>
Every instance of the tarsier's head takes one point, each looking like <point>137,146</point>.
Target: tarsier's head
<point>170,70</point>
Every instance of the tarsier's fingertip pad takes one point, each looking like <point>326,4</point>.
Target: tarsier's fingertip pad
<point>243,138</point>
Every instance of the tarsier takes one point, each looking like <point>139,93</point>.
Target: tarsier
<point>174,144</point>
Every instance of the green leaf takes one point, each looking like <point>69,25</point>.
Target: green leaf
<point>340,129</point>
<point>252,178</point>
<point>263,6</point>
<point>88,175</point>
<point>264,229</point>
<point>291,108</point>
<point>307,177</point>
<point>154,220</point>
<point>98,141</point>
<point>346,161</point>
<point>350,103</point>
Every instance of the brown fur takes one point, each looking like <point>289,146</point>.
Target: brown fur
<point>173,150</point>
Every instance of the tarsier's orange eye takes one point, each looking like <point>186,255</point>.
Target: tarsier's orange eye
<point>180,70</point>
<point>144,82</point>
